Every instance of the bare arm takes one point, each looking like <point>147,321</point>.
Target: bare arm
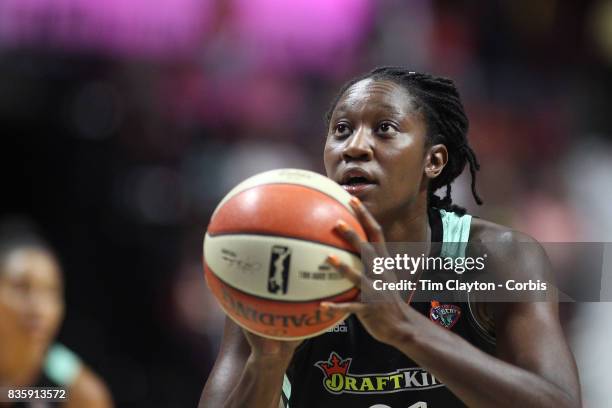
<point>228,367</point>
<point>248,372</point>
<point>534,367</point>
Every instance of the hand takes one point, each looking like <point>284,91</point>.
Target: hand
<point>263,348</point>
<point>385,313</point>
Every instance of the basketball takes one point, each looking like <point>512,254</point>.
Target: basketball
<point>265,253</point>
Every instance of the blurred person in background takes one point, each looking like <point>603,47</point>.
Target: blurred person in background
<point>31,312</point>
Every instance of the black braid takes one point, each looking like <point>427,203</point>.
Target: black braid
<point>447,124</point>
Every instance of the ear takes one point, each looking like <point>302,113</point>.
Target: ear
<point>436,158</point>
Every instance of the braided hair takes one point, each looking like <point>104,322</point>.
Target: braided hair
<point>447,124</point>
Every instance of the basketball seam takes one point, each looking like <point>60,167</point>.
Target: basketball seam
<point>275,299</point>
<point>261,234</point>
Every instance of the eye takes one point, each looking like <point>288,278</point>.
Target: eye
<point>387,127</point>
<point>21,286</point>
<point>342,130</point>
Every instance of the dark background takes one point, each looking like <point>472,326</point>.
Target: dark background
<point>124,123</point>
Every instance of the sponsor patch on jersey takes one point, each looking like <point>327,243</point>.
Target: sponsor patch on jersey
<point>338,379</point>
<point>445,315</point>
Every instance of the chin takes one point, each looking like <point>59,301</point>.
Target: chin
<point>38,337</point>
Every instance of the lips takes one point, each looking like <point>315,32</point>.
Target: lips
<point>354,175</point>
<point>356,181</point>
<point>35,327</point>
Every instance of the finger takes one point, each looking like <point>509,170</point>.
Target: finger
<point>351,274</point>
<point>348,234</point>
<point>370,225</point>
<point>351,236</point>
<point>348,307</point>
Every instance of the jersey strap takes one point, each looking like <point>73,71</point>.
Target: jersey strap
<point>286,394</point>
<point>61,365</point>
<point>456,233</point>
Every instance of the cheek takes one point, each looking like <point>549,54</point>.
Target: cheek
<point>52,314</point>
<point>11,300</point>
<point>404,168</point>
<point>54,321</point>
<point>406,161</point>
<point>330,157</point>
<point>9,312</point>
<point>58,312</point>
<point>53,308</point>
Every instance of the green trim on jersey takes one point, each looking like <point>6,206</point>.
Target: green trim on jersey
<point>62,365</point>
<point>456,233</point>
<point>286,389</point>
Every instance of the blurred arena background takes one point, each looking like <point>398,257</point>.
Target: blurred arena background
<point>124,122</point>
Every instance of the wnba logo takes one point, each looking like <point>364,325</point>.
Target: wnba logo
<point>278,277</point>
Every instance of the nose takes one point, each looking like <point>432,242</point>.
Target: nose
<point>34,306</point>
<point>358,147</point>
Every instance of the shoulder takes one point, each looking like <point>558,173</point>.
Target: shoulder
<point>61,365</point>
<point>487,232</point>
<point>508,250</point>
<point>501,240</point>
<point>88,390</point>
<point>65,368</point>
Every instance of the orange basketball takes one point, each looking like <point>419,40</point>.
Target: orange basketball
<point>265,252</point>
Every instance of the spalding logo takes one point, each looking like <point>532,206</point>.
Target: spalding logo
<point>317,317</point>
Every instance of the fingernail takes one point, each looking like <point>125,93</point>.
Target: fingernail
<point>342,226</point>
<point>334,260</point>
<point>355,202</point>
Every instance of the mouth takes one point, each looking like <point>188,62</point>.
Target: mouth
<point>357,181</point>
<point>35,327</point>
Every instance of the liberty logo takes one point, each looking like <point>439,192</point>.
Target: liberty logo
<point>445,315</point>
<point>278,277</point>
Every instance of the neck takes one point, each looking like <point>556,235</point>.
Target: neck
<point>407,224</point>
<point>20,365</point>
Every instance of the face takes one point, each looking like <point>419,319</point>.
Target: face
<point>377,149</point>
<point>31,297</point>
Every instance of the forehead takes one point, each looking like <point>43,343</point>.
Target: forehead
<point>30,264</point>
<point>381,95</point>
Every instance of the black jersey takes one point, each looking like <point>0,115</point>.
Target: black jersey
<point>346,367</point>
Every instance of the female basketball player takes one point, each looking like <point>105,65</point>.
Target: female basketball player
<point>395,137</point>
<point>31,310</point>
